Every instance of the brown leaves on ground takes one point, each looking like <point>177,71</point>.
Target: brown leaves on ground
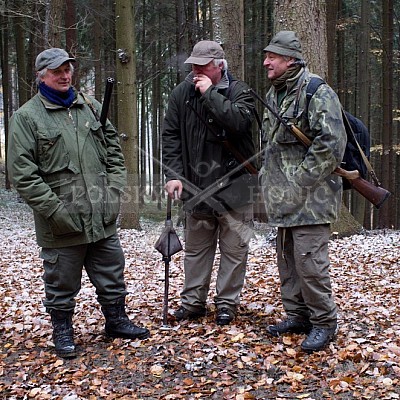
<point>199,360</point>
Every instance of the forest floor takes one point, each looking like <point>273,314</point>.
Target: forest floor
<point>200,360</point>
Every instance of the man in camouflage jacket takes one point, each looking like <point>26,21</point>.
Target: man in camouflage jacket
<point>70,171</point>
<point>302,195</point>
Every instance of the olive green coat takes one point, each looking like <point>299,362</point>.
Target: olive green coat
<point>67,169</point>
<point>295,179</point>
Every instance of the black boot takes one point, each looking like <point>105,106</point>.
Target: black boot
<point>63,333</point>
<point>118,324</point>
<point>318,339</point>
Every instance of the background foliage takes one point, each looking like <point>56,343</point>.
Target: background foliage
<point>363,65</point>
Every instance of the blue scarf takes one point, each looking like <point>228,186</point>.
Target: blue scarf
<point>64,99</point>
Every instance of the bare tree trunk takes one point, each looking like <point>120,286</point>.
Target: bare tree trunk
<point>23,87</point>
<point>359,207</point>
<point>97,37</point>
<point>54,23</point>
<point>71,36</point>
<point>5,86</point>
<point>331,22</point>
<point>387,109</point>
<point>231,13</point>
<point>308,19</point>
<point>127,109</point>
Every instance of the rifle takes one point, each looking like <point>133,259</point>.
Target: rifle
<point>375,194</point>
<point>106,101</point>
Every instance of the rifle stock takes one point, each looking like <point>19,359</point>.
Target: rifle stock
<point>377,195</point>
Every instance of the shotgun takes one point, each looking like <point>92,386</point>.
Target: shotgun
<point>106,101</point>
<point>376,195</point>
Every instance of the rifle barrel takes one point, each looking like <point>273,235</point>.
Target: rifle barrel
<point>106,101</point>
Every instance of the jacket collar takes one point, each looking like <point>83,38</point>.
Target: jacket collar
<point>51,106</point>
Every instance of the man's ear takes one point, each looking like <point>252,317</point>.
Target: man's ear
<point>291,62</point>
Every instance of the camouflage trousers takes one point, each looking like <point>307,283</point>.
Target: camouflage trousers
<point>303,264</point>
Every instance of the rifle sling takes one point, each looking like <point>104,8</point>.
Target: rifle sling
<point>228,146</point>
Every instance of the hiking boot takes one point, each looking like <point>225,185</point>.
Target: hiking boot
<point>290,325</point>
<point>224,316</point>
<point>118,324</point>
<point>318,338</point>
<point>183,313</point>
<point>63,333</point>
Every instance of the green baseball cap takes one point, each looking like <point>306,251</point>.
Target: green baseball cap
<point>285,43</point>
<point>52,59</point>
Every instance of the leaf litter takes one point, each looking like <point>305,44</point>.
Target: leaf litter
<point>200,360</point>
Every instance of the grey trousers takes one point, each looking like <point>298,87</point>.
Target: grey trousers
<point>303,264</point>
<point>104,263</point>
<point>232,231</point>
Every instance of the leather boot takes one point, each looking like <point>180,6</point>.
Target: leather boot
<point>318,339</point>
<point>118,324</point>
<point>63,333</point>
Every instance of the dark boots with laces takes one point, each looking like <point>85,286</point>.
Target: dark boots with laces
<point>318,339</point>
<point>118,324</point>
<point>63,333</point>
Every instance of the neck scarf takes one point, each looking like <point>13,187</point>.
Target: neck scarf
<point>64,99</point>
<point>280,82</point>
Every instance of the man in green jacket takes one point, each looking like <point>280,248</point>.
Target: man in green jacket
<point>302,196</point>
<point>206,109</point>
<point>71,172</point>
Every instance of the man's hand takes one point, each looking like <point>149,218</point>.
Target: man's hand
<point>174,188</point>
<point>202,82</point>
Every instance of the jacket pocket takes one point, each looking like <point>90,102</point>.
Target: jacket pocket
<point>112,200</point>
<point>64,223</point>
<point>52,152</point>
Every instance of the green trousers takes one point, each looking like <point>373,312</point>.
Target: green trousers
<point>232,232</point>
<point>303,264</point>
<point>104,263</point>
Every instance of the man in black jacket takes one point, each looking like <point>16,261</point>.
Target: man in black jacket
<point>205,110</point>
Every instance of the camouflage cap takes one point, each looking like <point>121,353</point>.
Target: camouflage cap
<point>285,43</point>
<point>204,52</point>
<point>52,58</point>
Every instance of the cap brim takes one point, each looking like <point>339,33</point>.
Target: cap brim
<point>55,64</point>
<point>274,49</point>
<point>198,60</point>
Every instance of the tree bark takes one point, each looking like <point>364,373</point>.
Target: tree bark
<point>127,109</point>
<point>231,18</point>
<point>385,220</point>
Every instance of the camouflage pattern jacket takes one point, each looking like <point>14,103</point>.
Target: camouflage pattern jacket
<point>295,179</point>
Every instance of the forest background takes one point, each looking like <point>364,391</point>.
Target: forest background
<point>353,44</point>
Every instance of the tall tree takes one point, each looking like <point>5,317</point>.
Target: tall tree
<point>387,107</point>
<point>359,206</point>
<point>127,109</point>
<point>308,19</point>
<point>23,82</point>
<point>54,23</point>
<point>231,19</point>
<point>5,81</point>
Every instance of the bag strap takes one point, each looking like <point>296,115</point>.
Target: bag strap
<point>313,85</point>
<point>91,106</point>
